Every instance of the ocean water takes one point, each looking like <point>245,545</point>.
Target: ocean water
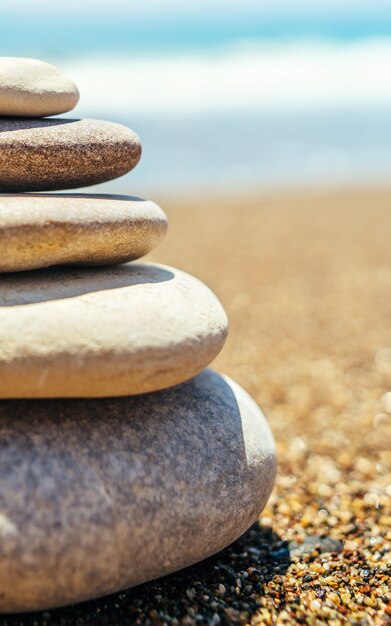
<point>223,100</point>
<point>79,27</point>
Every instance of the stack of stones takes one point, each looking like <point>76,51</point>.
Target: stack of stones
<point>121,458</point>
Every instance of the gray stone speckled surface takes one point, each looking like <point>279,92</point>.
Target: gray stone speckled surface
<point>49,154</point>
<point>99,495</point>
<point>108,331</point>
<point>39,230</point>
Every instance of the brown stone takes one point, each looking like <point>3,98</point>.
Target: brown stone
<point>94,332</point>
<point>33,88</point>
<point>39,230</point>
<point>100,495</point>
<point>45,154</point>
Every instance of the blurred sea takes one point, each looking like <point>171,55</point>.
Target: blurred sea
<point>226,102</point>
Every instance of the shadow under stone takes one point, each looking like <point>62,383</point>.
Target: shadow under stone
<point>72,196</point>
<point>9,124</point>
<point>56,283</point>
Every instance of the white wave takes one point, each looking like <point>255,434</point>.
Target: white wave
<point>243,78</point>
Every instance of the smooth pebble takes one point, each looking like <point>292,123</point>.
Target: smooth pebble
<point>58,153</point>
<point>33,88</point>
<point>111,331</point>
<point>100,495</point>
<point>39,230</point>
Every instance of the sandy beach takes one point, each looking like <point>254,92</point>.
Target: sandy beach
<point>305,279</point>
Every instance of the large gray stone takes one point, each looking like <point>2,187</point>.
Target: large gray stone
<point>33,88</point>
<point>112,331</point>
<point>100,495</point>
<point>39,230</point>
<point>45,154</point>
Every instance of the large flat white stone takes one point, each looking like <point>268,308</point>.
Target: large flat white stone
<point>94,332</point>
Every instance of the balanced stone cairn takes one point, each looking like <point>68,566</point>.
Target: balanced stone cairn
<point>121,458</point>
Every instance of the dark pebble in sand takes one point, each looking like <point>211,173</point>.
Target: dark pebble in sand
<point>315,543</point>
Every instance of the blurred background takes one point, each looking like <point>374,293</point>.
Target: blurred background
<point>266,132</point>
<point>264,92</point>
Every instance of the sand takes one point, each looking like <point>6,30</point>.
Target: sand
<point>306,282</point>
